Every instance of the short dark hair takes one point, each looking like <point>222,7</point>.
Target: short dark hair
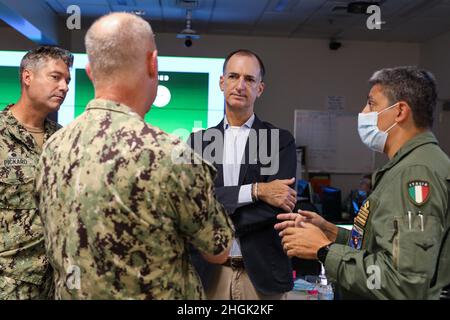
<point>249,53</point>
<point>415,86</point>
<point>36,56</point>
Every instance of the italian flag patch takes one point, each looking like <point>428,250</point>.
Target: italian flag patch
<point>418,191</point>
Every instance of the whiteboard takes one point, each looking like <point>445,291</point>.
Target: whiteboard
<point>332,142</point>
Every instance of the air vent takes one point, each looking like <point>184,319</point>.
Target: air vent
<point>187,4</point>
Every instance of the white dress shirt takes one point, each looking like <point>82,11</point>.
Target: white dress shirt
<point>235,139</point>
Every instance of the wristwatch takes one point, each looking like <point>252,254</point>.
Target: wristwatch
<point>323,252</point>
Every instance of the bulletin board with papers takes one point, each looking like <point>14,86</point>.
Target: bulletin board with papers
<point>332,142</point>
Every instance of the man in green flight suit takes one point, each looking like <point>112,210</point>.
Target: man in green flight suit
<point>399,246</point>
<point>24,127</point>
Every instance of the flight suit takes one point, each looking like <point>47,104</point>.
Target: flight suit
<point>399,246</point>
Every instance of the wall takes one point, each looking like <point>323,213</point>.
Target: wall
<point>300,72</point>
<point>434,57</point>
<point>10,39</point>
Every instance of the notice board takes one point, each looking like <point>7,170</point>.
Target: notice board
<point>332,142</point>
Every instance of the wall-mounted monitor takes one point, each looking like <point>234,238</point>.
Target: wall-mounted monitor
<point>189,97</point>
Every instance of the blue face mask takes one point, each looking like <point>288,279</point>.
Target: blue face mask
<point>368,130</point>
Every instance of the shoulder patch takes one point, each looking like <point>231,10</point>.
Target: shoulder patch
<point>419,191</point>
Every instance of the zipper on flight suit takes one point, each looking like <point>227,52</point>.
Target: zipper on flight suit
<point>395,247</point>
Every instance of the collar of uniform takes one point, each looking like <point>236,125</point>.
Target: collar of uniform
<point>419,140</point>
<point>248,123</point>
<point>19,132</point>
<point>110,105</point>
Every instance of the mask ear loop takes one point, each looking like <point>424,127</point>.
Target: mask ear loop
<point>396,123</point>
<point>388,108</point>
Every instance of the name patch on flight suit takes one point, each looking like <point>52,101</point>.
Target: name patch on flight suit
<point>418,191</point>
<point>359,225</point>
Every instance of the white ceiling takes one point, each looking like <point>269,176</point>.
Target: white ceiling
<point>404,20</point>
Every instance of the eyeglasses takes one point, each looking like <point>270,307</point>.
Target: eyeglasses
<point>233,78</point>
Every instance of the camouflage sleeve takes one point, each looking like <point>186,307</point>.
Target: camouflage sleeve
<point>202,219</point>
<point>402,262</point>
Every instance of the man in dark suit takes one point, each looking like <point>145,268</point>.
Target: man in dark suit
<point>256,165</point>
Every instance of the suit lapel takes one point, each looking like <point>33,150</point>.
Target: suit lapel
<point>219,178</point>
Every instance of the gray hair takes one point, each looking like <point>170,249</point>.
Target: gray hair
<point>415,86</point>
<point>115,45</point>
<point>34,58</point>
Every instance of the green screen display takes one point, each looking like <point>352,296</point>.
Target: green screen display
<point>9,86</point>
<point>185,104</point>
<point>188,98</point>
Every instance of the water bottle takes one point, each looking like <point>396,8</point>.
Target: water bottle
<point>324,286</point>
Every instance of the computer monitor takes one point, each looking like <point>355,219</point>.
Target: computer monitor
<point>331,203</point>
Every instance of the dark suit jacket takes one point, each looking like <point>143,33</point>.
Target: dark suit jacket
<point>266,263</point>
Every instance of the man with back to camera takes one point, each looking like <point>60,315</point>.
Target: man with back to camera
<point>399,247</point>
<point>252,190</point>
<point>118,210</point>
<point>24,127</point>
